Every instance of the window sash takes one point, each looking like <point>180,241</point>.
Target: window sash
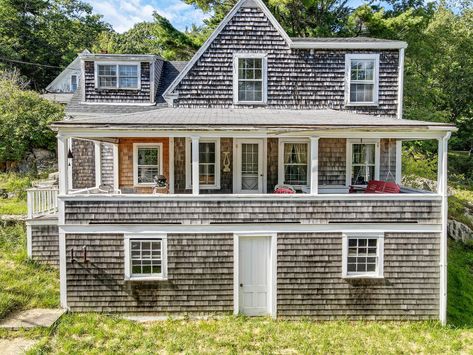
<point>145,172</point>
<point>209,164</point>
<point>366,160</point>
<point>362,256</point>
<point>298,167</point>
<point>117,78</point>
<point>148,256</point>
<point>250,82</point>
<point>361,80</point>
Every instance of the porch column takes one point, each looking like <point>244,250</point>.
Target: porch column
<point>442,189</point>
<point>195,165</point>
<point>62,147</point>
<point>314,165</point>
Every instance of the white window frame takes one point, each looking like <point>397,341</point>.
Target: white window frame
<point>281,159</point>
<point>264,77</point>
<point>379,273</point>
<point>215,186</point>
<point>377,152</point>
<point>117,64</point>
<point>164,252</point>
<point>136,146</point>
<point>348,60</point>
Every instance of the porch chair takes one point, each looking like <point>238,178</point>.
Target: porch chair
<point>284,189</point>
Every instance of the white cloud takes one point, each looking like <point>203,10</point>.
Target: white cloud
<point>123,14</point>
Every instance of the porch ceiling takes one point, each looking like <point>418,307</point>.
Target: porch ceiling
<point>247,118</point>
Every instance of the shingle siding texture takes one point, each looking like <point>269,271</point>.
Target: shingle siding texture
<point>106,164</point>
<point>93,94</point>
<point>200,276</point>
<point>387,169</point>
<point>297,79</point>
<point>264,211</point>
<point>332,161</point>
<point>83,164</point>
<point>310,283</point>
<point>45,244</point>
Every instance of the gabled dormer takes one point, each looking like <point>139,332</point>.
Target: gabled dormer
<point>120,78</point>
<point>250,61</point>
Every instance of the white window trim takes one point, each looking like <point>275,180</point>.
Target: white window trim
<point>264,58</point>
<point>96,73</point>
<point>164,257</point>
<point>135,161</point>
<point>379,273</point>
<point>281,160</point>
<point>348,59</point>
<point>215,186</point>
<point>377,159</point>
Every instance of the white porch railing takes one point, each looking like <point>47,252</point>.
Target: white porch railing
<point>42,201</point>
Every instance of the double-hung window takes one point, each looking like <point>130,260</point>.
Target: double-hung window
<point>363,255</point>
<point>209,164</point>
<point>295,163</point>
<point>362,161</point>
<point>362,73</point>
<point>249,83</point>
<point>147,163</point>
<point>117,76</point>
<point>145,257</point>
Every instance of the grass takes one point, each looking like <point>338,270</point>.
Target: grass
<point>15,185</point>
<point>23,284</point>
<point>13,206</point>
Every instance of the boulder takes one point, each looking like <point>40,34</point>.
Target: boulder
<point>459,231</point>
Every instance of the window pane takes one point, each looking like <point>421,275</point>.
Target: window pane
<point>107,69</point>
<point>148,156</point>
<point>146,174</point>
<point>207,152</point>
<point>362,255</point>
<point>128,70</point>
<point>361,92</point>
<point>128,82</point>
<point>146,257</point>
<point>250,76</point>
<point>107,81</point>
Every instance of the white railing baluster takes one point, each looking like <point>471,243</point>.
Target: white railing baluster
<point>41,202</point>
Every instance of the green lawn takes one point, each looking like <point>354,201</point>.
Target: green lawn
<point>13,206</point>
<point>24,284</point>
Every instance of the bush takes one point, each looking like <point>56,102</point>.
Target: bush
<point>16,184</point>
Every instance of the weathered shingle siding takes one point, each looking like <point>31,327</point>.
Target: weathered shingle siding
<point>310,283</point>
<point>272,164</point>
<point>332,161</point>
<point>93,94</point>
<point>296,79</point>
<point>200,276</point>
<point>83,164</point>
<point>264,211</point>
<point>45,244</point>
<point>106,163</point>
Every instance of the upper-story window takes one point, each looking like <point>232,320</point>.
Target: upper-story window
<point>362,73</point>
<point>249,82</point>
<point>118,76</point>
<point>74,83</point>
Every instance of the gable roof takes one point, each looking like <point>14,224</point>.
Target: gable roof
<point>74,65</point>
<point>296,43</point>
<point>248,3</point>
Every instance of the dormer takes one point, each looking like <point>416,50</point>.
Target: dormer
<point>120,78</point>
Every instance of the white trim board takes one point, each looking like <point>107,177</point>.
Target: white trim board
<point>253,228</point>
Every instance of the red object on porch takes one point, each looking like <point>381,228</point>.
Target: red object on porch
<point>382,187</point>
<point>284,189</point>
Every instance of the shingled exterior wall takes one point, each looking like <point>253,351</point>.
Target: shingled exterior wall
<point>83,164</point>
<point>332,161</point>
<point>142,95</point>
<point>106,164</point>
<point>309,283</point>
<point>45,244</point>
<point>296,78</point>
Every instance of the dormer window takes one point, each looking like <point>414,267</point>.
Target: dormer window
<point>361,79</point>
<point>117,76</point>
<point>249,78</point>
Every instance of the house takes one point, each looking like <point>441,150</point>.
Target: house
<point>165,202</point>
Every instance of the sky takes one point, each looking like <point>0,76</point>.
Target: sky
<point>123,14</point>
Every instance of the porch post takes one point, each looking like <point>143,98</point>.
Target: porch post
<point>98,163</point>
<point>62,164</point>
<point>443,190</point>
<point>195,165</point>
<point>314,165</point>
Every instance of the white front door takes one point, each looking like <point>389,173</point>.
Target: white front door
<point>254,275</point>
<point>249,174</point>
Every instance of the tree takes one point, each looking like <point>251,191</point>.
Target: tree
<point>24,119</point>
<point>159,37</point>
<point>48,32</point>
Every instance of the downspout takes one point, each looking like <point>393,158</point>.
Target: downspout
<point>443,190</point>
<point>400,89</point>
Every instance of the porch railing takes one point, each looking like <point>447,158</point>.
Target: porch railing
<point>42,201</point>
